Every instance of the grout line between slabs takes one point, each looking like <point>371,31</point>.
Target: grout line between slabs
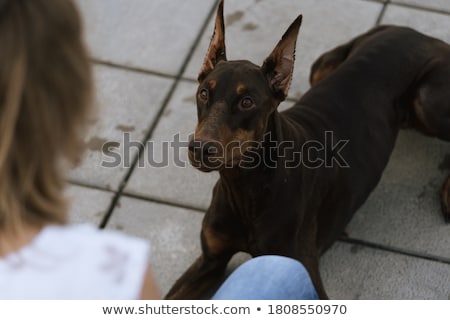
<point>375,1</point>
<point>136,196</point>
<point>114,65</point>
<point>411,6</point>
<point>383,11</point>
<point>387,248</point>
<point>163,202</point>
<point>152,128</point>
<point>421,8</point>
<point>91,186</point>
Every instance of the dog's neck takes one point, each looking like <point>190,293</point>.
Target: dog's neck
<point>250,190</point>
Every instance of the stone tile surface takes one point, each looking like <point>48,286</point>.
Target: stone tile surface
<point>404,210</point>
<point>443,5</point>
<point>87,205</point>
<point>174,235</point>
<point>154,35</point>
<point>430,23</point>
<point>157,35</point>
<point>127,104</point>
<point>353,272</point>
<point>253,28</point>
<point>177,182</point>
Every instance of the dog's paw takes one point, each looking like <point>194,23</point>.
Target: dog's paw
<point>445,200</point>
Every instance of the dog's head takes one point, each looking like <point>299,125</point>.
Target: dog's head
<point>236,98</point>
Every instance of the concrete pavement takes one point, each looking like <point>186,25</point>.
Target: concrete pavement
<point>146,55</point>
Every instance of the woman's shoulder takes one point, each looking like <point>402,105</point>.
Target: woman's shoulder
<point>82,262</point>
<point>112,258</point>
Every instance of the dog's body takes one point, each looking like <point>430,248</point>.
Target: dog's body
<point>363,92</point>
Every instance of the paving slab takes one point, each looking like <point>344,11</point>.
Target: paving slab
<point>253,28</point>
<point>87,205</point>
<point>351,272</point>
<point>355,272</point>
<point>154,35</point>
<point>175,181</point>
<point>174,235</point>
<point>404,210</point>
<point>127,105</point>
<point>442,5</point>
<point>431,23</point>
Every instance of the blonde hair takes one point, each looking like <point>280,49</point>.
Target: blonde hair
<point>45,96</point>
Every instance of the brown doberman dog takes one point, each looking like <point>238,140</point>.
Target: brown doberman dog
<point>291,181</point>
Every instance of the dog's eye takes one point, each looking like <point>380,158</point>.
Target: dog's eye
<point>203,94</point>
<point>247,103</point>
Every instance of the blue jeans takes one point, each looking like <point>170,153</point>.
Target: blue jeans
<point>268,278</point>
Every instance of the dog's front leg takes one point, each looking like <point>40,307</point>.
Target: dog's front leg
<point>207,272</point>
<point>204,275</point>
<point>312,265</point>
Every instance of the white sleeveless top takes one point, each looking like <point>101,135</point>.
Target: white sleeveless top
<point>76,262</point>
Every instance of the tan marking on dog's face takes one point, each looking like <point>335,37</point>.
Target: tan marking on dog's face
<point>241,89</point>
<point>236,143</point>
<point>212,84</point>
<point>226,135</point>
<point>208,128</point>
<point>244,135</point>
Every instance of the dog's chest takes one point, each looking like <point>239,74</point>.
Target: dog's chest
<point>271,219</point>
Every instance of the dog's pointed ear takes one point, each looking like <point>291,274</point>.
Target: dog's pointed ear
<point>216,51</point>
<point>279,66</point>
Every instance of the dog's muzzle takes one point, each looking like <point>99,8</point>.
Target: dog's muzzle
<point>206,155</point>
